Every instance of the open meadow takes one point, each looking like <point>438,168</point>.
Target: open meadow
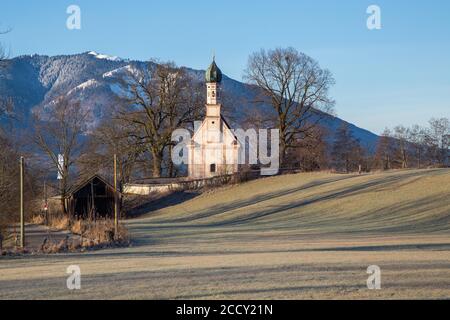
<point>302,236</point>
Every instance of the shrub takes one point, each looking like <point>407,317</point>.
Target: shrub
<point>38,219</point>
<point>102,232</point>
<point>59,223</point>
<point>92,235</point>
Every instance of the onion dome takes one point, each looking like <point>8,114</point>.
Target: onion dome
<point>213,73</point>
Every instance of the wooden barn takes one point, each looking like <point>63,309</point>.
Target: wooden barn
<point>93,199</point>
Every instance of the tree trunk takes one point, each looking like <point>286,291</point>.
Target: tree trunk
<point>405,161</point>
<point>170,165</point>
<point>63,204</point>
<point>282,147</point>
<point>63,193</point>
<point>418,160</point>
<point>157,164</point>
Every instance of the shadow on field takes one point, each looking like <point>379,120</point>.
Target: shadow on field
<point>258,223</point>
<point>168,200</point>
<point>370,186</point>
<point>176,253</point>
<point>361,188</point>
<point>269,196</point>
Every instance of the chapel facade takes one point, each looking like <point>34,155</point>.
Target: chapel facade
<point>213,149</point>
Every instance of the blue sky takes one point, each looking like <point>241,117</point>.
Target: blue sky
<point>399,74</point>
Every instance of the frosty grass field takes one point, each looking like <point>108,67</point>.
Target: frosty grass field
<point>285,237</point>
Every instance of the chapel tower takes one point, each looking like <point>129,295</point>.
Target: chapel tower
<point>214,149</point>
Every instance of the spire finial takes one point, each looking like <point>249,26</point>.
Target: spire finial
<point>214,55</point>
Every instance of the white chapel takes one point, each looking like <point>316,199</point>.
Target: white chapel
<point>214,149</point>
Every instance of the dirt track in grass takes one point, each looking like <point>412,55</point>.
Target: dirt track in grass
<point>286,237</point>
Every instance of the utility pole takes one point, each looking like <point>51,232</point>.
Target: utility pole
<point>45,203</point>
<point>93,202</point>
<point>116,209</point>
<point>22,218</point>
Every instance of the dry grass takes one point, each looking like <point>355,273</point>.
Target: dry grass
<point>102,232</point>
<point>64,245</point>
<point>294,236</point>
<point>78,227</point>
<point>59,223</point>
<point>91,235</point>
<point>80,235</point>
<point>38,219</point>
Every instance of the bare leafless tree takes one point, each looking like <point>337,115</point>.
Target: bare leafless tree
<point>385,151</point>
<point>298,90</point>
<point>6,104</point>
<point>155,103</point>
<point>59,130</point>
<point>3,55</point>
<point>401,135</point>
<point>438,140</point>
<point>110,138</point>
<point>347,154</point>
<point>11,150</point>
<point>416,138</point>
<point>5,183</point>
<point>8,161</point>
<point>311,154</point>
<point>8,184</point>
<point>424,146</point>
<point>6,108</point>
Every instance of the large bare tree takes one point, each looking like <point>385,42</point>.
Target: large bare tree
<point>154,103</point>
<point>6,104</point>
<point>311,155</point>
<point>59,130</point>
<point>8,161</point>
<point>110,138</point>
<point>3,54</point>
<point>422,146</point>
<point>438,139</point>
<point>11,149</point>
<point>8,184</point>
<point>385,151</point>
<point>298,90</point>
<point>401,136</point>
<point>347,153</point>
<point>416,137</point>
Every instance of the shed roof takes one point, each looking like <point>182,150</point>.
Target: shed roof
<point>82,184</point>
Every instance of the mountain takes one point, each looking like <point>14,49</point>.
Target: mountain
<point>34,81</point>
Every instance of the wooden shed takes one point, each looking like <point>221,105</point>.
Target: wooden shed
<point>92,199</point>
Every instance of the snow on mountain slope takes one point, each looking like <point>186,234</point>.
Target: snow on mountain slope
<point>34,81</point>
<point>120,71</point>
<point>104,56</point>
<point>84,85</point>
